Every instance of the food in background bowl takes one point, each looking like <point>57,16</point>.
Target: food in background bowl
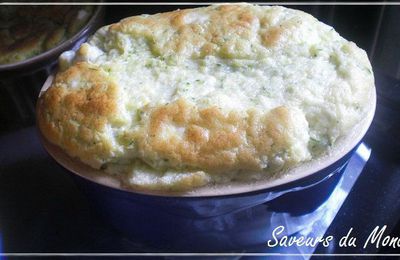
<point>196,99</point>
<point>26,31</point>
<point>31,40</point>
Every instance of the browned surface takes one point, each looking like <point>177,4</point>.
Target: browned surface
<point>75,118</point>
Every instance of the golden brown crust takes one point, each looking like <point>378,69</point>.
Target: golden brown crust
<point>142,102</point>
<point>75,118</point>
<point>226,30</point>
<point>213,141</point>
<point>82,101</point>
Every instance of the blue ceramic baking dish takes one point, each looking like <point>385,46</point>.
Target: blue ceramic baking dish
<point>218,219</point>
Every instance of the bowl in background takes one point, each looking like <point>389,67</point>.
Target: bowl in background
<point>20,82</point>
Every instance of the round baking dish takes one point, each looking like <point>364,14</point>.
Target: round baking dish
<point>20,82</point>
<point>234,217</point>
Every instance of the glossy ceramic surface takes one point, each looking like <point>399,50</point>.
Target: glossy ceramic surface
<point>218,222</point>
<point>214,223</point>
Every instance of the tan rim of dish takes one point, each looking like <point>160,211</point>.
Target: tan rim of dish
<point>343,146</point>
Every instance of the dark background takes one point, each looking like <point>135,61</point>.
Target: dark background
<point>43,212</point>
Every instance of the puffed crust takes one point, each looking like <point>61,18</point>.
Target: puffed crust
<point>212,94</point>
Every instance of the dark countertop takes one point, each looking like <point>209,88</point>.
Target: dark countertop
<point>374,200</point>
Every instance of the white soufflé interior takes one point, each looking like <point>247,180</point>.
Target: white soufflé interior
<point>324,80</point>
